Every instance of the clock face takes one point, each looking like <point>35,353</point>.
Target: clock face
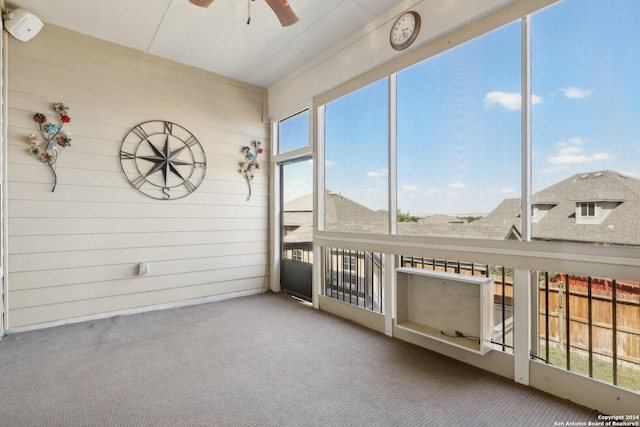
<point>405,30</point>
<point>163,160</point>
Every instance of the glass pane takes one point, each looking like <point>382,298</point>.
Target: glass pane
<point>459,141</point>
<point>297,210</point>
<point>297,228</point>
<point>293,133</point>
<point>356,161</point>
<point>586,125</point>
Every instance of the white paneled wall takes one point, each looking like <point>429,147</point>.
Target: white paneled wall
<point>74,253</point>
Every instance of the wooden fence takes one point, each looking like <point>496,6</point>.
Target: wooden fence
<point>625,313</point>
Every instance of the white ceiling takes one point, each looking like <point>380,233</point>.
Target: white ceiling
<point>217,38</point>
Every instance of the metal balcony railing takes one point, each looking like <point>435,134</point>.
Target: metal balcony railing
<point>591,326</point>
<point>355,277</point>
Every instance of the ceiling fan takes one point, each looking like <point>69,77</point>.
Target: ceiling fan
<point>281,8</point>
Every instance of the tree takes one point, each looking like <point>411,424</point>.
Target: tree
<point>405,217</point>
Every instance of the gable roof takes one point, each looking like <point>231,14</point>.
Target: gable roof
<point>619,227</point>
<point>590,187</point>
<point>340,214</point>
<point>346,215</point>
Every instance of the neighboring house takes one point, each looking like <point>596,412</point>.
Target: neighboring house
<point>297,220</point>
<point>340,214</point>
<point>593,207</point>
<point>356,276</point>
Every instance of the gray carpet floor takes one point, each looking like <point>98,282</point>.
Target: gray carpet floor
<point>264,360</point>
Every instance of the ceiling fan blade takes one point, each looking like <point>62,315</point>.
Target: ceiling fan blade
<point>283,11</point>
<point>202,3</point>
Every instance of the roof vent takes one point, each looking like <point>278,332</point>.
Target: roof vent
<point>597,174</point>
<point>584,176</point>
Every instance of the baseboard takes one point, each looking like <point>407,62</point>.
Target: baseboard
<point>137,310</point>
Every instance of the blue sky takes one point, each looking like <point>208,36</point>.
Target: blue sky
<point>459,114</point>
<point>297,178</point>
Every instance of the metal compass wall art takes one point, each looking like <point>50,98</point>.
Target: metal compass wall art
<point>163,160</point>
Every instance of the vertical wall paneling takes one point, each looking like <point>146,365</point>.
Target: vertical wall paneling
<point>74,253</point>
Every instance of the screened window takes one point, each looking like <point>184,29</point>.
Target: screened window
<point>293,132</point>
<point>586,128</point>
<point>356,161</point>
<point>587,209</point>
<point>458,140</point>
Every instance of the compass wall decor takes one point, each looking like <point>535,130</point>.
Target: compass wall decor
<point>163,160</point>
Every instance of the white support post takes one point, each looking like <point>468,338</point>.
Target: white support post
<point>393,156</point>
<point>389,292</point>
<point>521,325</point>
<point>275,224</point>
<point>526,130</point>
<point>317,279</point>
<point>522,298</point>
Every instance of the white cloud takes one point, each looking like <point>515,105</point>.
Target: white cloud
<point>554,169</point>
<point>570,151</point>
<point>572,141</point>
<point>505,191</point>
<point>407,187</point>
<point>432,191</point>
<point>578,159</point>
<point>510,101</point>
<point>329,163</point>
<point>373,174</point>
<point>574,92</point>
<point>457,186</point>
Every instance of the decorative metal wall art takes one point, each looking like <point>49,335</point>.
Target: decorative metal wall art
<point>51,139</point>
<point>163,160</point>
<point>250,163</point>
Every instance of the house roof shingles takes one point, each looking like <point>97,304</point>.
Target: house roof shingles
<point>621,226</point>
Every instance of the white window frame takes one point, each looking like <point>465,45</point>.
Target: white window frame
<point>275,197</point>
<point>297,254</point>
<point>582,206</point>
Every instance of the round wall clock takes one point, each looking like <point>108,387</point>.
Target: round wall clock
<point>405,30</point>
<point>163,160</point>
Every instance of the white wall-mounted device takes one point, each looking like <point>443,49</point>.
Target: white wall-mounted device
<point>22,24</point>
<point>143,268</point>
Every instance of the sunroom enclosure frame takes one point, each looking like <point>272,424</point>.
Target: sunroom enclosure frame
<point>524,256</point>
